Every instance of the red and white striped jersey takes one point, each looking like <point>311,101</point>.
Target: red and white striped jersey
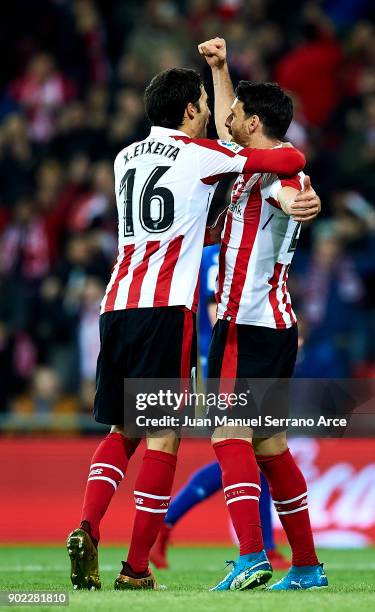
<point>164,186</point>
<point>258,243</point>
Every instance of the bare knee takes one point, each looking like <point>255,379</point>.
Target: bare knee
<point>117,429</point>
<point>165,441</point>
<point>275,445</point>
<point>222,434</point>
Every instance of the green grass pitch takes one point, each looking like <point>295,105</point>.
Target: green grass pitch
<point>351,574</point>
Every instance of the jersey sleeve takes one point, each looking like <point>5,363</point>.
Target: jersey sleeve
<point>286,161</point>
<point>218,159</point>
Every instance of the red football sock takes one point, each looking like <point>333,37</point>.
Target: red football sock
<point>241,484</point>
<point>289,493</point>
<point>107,469</point>
<point>151,495</point>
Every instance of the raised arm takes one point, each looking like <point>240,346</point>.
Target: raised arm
<point>214,51</point>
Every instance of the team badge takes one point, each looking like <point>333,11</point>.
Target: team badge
<point>233,146</point>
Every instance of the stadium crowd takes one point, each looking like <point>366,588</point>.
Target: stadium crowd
<point>72,76</point>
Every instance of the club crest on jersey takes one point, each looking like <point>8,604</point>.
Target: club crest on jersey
<point>233,146</point>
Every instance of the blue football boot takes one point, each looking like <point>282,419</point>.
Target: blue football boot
<point>304,577</point>
<point>249,572</point>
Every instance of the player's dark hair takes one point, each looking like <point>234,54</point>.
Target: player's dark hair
<point>168,95</point>
<point>272,105</point>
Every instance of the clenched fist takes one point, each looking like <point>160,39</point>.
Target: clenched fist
<point>214,51</point>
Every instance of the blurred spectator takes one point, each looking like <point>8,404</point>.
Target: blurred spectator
<point>90,28</point>
<point>88,331</point>
<point>46,395</point>
<point>357,155</point>
<point>359,75</point>
<point>17,161</point>
<point>97,202</point>
<point>331,304</point>
<point>41,91</point>
<point>312,69</point>
<point>24,245</point>
<point>72,134</point>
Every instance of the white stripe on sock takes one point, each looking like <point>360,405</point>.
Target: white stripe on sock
<point>153,510</point>
<point>113,482</point>
<point>289,501</point>
<point>235,499</point>
<point>140,494</point>
<point>108,465</point>
<point>242,484</point>
<point>293,511</point>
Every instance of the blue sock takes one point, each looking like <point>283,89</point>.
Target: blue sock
<point>204,483</point>
<point>265,514</point>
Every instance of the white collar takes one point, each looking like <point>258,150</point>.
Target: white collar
<point>156,130</point>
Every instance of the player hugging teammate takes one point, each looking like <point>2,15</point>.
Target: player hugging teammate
<point>163,189</point>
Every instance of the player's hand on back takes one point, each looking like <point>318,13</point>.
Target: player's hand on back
<point>307,204</point>
<point>215,52</point>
